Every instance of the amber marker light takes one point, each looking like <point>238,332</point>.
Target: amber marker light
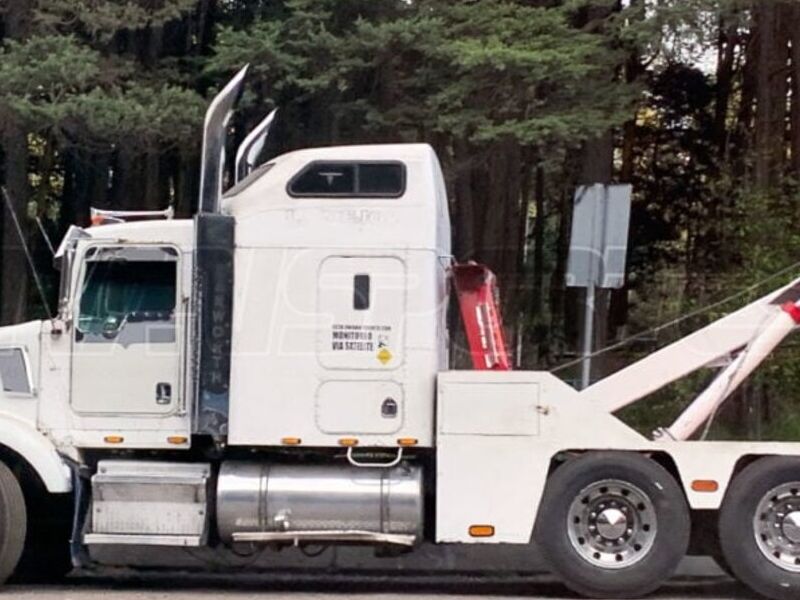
<point>405,442</point>
<point>481,531</point>
<point>348,442</point>
<point>291,441</point>
<point>177,439</point>
<point>705,485</point>
<point>113,439</point>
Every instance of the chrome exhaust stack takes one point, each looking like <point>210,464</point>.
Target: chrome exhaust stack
<point>251,147</point>
<point>214,133</point>
<point>212,297</point>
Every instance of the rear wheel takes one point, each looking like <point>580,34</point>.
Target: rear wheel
<point>759,527</point>
<point>13,522</point>
<point>613,525</point>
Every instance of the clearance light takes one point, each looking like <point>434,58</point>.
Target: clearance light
<point>481,531</point>
<point>177,439</point>
<point>407,442</point>
<point>291,441</point>
<point>113,439</point>
<point>705,485</point>
<point>348,442</point>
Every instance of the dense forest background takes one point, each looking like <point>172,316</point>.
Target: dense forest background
<point>694,102</point>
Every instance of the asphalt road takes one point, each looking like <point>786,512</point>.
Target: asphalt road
<point>185,586</point>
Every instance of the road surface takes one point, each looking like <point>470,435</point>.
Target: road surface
<point>125,585</point>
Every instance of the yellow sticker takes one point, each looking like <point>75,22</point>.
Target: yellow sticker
<point>384,355</point>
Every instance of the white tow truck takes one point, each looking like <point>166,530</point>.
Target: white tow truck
<point>274,372</point>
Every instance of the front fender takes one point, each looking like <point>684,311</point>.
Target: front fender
<point>23,439</point>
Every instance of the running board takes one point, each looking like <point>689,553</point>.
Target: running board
<point>298,537</point>
<point>122,539</point>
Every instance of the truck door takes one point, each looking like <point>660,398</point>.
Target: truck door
<point>360,343</point>
<point>125,358</point>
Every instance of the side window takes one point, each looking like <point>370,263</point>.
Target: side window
<point>128,301</point>
<point>361,292</point>
<point>325,179</point>
<point>14,371</point>
<point>336,179</point>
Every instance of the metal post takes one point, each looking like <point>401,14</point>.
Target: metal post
<point>588,335</point>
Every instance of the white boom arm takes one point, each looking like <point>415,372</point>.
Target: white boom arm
<point>718,340</point>
<point>776,329</point>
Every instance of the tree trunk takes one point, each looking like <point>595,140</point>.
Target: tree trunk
<point>152,194</point>
<point>540,333</point>
<point>772,93</point>
<point>15,273</point>
<point>14,279</point>
<point>742,140</point>
<point>795,123</point>
<point>186,184</point>
<point>464,233</point>
<point>126,186</point>
<point>726,54</point>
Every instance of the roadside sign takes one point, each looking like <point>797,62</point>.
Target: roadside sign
<point>597,251</point>
<point>599,241</point>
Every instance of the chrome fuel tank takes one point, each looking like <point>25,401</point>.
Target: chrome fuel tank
<point>258,497</point>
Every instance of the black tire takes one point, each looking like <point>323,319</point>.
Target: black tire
<point>722,563</point>
<point>46,557</point>
<point>638,574</point>
<point>41,562</point>
<point>46,553</point>
<point>13,522</point>
<point>739,532</point>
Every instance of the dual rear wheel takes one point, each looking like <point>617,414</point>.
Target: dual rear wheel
<point>613,524</point>
<point>759,527</point>
<point>616,525</point>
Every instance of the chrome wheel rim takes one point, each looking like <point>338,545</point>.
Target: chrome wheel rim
<point>612,524</point>
<point>777,526</point>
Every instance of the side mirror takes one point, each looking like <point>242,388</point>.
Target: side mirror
<point>112,326</point>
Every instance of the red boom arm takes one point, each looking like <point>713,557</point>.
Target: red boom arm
<point>477,297</point>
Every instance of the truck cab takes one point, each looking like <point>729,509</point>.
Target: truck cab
<point>337,321</point>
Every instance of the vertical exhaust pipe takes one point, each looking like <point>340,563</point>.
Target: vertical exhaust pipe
<point>212,295</point>
<point>214,133</point>
<point>251,147</point>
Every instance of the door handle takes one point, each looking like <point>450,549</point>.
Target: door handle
<point>163,393</point>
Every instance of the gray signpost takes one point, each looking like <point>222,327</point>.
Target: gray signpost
<point>597,252</point>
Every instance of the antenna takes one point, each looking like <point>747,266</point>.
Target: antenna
<point>251,147</point>
<point>46,237</point>
<point>27,251</point>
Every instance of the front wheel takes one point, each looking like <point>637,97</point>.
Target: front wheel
<point>759,527</point>
<point>613,525</point>
<point>13,522</point>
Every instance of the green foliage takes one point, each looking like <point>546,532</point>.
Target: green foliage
<point>103,19</point>
<point>483,70</point>
<point>58,84</point>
